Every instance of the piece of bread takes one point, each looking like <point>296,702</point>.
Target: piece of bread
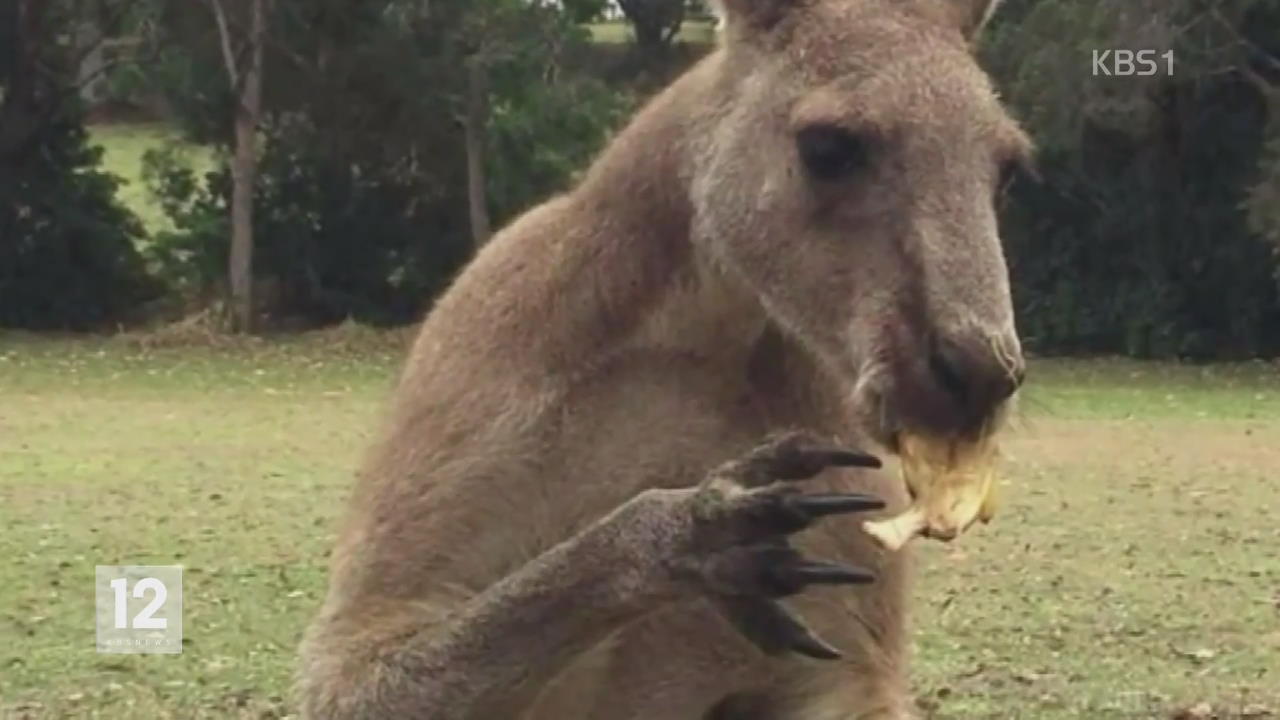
<point>952,483</point>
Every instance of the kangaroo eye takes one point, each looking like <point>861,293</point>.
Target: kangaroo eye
<point>831,153</point>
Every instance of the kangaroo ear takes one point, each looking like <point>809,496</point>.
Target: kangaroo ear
<point>758,14</point>
<point>972,15</point>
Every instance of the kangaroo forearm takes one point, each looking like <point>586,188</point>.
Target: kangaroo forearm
<point>562,603</point>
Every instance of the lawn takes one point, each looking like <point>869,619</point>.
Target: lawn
<point>123,147</point>
<point>1133,570</point>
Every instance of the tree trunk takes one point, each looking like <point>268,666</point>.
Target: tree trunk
<point>474,128</point>
<point>655,22</point>
<point>19,105</point>
<point>91,75</point>
<point>649,35</point>
<point>244,172</point>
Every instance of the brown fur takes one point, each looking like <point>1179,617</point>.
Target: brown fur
<point>506,554</point>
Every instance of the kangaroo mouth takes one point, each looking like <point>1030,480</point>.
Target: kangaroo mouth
<point>877,417</point>
<point>889,406</point>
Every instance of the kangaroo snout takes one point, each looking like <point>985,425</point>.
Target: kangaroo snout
<point>978,368</point>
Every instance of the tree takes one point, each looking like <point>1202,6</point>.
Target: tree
<point>474,123</point>
<point>368,194</point>
<point>242,51</point>
<point>494,34</point>
<point>67,254</point>
<point>1136,242</point>
<point>656,22</point>
<point>584,11</point>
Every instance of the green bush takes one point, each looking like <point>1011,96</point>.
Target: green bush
<point>1139,240</point>
<point>335,237</point>
<point>192,257</point>
<point>68,258</point>
<point>360,208</point>
<point>67,253</point>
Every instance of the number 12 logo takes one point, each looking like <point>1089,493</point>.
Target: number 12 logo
<point>143,620</point>
<point>138,608</point>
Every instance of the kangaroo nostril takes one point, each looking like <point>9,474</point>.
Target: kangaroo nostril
<point>976,374</point>
<point>946,367</point>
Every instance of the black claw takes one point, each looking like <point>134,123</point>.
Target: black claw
<point>850,458</point>
<point>792,576</point>
<point>834,503</point>
<point>819,573</point>
<point>806,643</point>
<point>803,464</point>
<point>791,512</point>
<point>761,621</point>
<point>774,630</point>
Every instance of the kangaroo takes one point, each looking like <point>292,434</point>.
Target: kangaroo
<point>626,459</point>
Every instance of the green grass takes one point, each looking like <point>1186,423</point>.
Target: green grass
<point>1125,389</point>
<point>123,146</point>
<point>1133,569</point>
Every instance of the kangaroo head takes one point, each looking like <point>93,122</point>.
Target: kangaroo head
<point>849,179</point>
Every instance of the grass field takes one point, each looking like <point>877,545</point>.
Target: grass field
<point>1134,569</point>
<point>123,147</point>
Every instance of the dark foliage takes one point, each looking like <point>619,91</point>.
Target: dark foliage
<point>67,248</point>
<point>360,207</point>
<point>1137,241</point>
